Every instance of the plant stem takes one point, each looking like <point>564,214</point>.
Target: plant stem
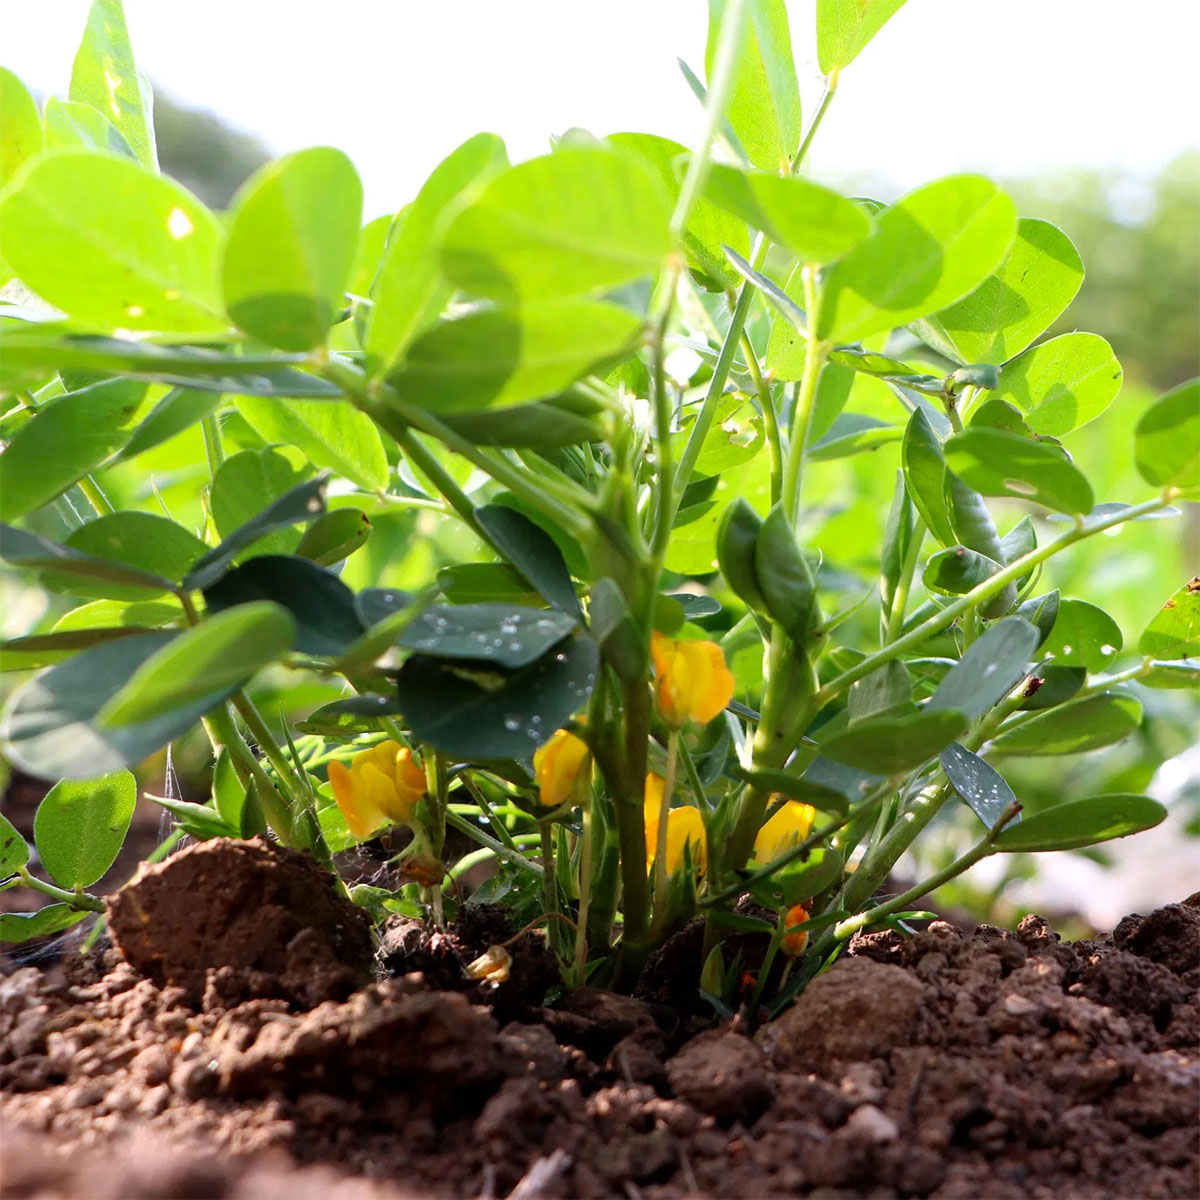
<point>586,864</point>
<point>977,595</point>
<point>831,83</point>
<point>95,496</point>
<point>223,731</point>
<point>770,418</point>
<point>895,618</point>
<point>262,734</point>
<point>663,413</point>
<point>213,449</point>
<point>499,849</point>
<point>814,359</point>
<point>81,900</point>
<point>724,68</point>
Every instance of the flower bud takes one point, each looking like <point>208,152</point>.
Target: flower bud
<point>693,683</point>
<point>794,942</point>
<point>558,765</point>
<point>787,828</point>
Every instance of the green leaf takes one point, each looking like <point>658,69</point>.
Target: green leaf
<point>764,101</point>
<point>815,223</point>
<point>346,719</point>
<point>1057,685</point>
<point>104,75</point>
<point>138,615</point>
<point>49,727</point>
<point>796,787</point>
<point>925,476</point>
<point>1174,632</point>
<point>1083,636</point>
<point>14,852</point>
<point>541,425</point>
<point>926,251</point>
<point>1080,823</point>
<point>179,409</point>
<point>1166,441</point>
<point>980,786</point>
<point>1041,612</point>
<point>81,824</point>
<point>322,606</point>
<point>955,571</point>
<point>709,229</point>
<point>853,433</point>
<point>145,541</point>
<point>504,634</point>
<point>1063,383</point>
<point>19,548</point>
<point>1085,724</point>
<point>483,712</point>
<point>67,438</point>
<point>990,668</point>
<point>291,248</point>
<point>1182,675</point>
<point>891,744</point>
<point>213,658</point>
<point>410,290</point>
<point>845,27</point>
<point>301,504</point>
<point>243,483</point>
<point>21,133</point>
<point>332,435</point>
<point>74,126</point>
<point>335,536</point>
<point>1006,464</point>
<point>800,881</point>
<point>1028,291</point>
<point>43,650</point>
<point>886,690</point>
<point>497,358</point>
<point>570,222</point>
<point>533,553</point>
<point>53,918</point>
<point>114,245</point>
<point>200,821</point>
<point>784,576</point>
<point>735,436</point>
<point>472,583</point>
<point>1020,540</point>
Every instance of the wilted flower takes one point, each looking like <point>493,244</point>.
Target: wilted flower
<point>794,942</point>
<point>787,828</point>
<point>492,966</point>
<point>693,683</point>
<point>380,787</point>
<point>684,825</point>
<point>557,766</point>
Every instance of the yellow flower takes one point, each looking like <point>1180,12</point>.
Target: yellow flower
<point>794,943</point>
<point>684,825</point>
<point>557,766</point>
<point>787,828</point>
<point>693,684</point>
<point>380,787</point>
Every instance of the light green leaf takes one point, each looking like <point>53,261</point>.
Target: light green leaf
<point>1182,675</point>
<point>114,245</point>
<point>566,223</point>
<point>1080,823</point>
<point>1083,636</point>
<point>331,434</point>
<point>1167,439</point>
<point>212,658</point>
<point>121,614</point>
<point>104,75</point>
<point>410,290</point>
<point>926,251</point>
<point>291,248</point>
<point>14,852</point>
<point>245,483</point>
<point>80,825</point>
<point>136,539</point>
<point>1072,728</point>
<point>1063,383</point>
<point>21,548</point>
<point>178,410</point>
<point>764,101</point>
<point>72,126</point>
<point>21,130</point>
<point>815,223</point>
<point>335,536</point>
<point>853,433</point>
<point>1175,630</point>
<point>497,358</point>
<point>844,27</point>
<point>53,918</point>
<point>1029,290</point>
<point>1006,464</point>
<point>735,437</point>
<point>67,438</point>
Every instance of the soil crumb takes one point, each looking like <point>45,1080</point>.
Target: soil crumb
<point>997,1064</point>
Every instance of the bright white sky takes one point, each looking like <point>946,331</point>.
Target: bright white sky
<point>1008,87</point>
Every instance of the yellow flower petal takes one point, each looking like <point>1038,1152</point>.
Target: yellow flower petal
<point>787,828</point>
<point>381,786</point>
<point>693,682</point>
<point>557,766</point>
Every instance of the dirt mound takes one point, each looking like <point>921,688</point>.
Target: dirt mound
<point>999,1065</point>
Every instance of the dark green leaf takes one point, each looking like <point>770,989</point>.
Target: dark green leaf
<point>1072,728</point>
<point>956,571</point>
<point>1005,464</point>
<point>1083,636</point>
<point>322,606</point>
<point>1081,823</point>
<point>1041,612</point>
<point>892,744</point>
<point>81,824</point>
<point>925,476</point>
<point>1057,685</point>
<point>14,853</point>
<point>504,634</point>
<point>477,711</point>
<point>541,425</point>
<point>991,667</point>
<point>533,553</point>
<point>982,788</point>
<point>54,918</point>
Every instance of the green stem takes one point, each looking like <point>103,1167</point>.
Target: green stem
<point>895,618</point>
<point>814,359</point>
<point>770,419</point>
<point>831,83</point>
<point>977,595</point>
<point>586,864</point>
<point>223,731</point>
<point>213,449</point>
<point>81,900</point>
<point>721,81</point>
<point>499,849</point>
<point>95,496</point>
<point>663,413</point>
<point>297,791</point>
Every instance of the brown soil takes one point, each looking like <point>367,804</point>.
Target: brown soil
<point>996,1064</point>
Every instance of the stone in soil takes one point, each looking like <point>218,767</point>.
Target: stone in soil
<point>999,1065</point>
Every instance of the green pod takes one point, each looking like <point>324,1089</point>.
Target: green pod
<point>974,528</point>
<point>786,579</point>
<point>736,540</point>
